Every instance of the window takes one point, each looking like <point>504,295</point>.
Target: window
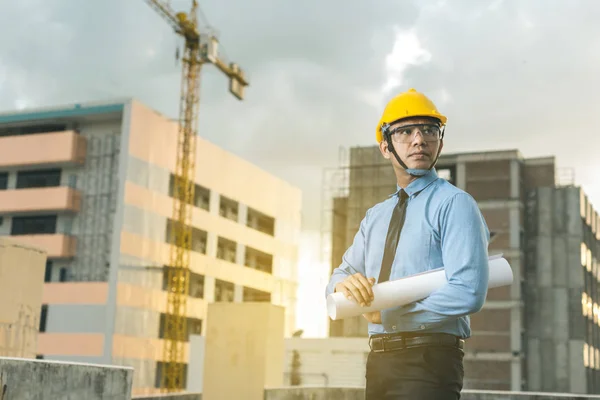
<point>33,225</point>
<point>226,249</point>
<point>3,180</point>
<point>194,327</point>
<point>198,238</point>
<point>228,208</point>
<point>224,291</point>
<point>201,194</point>
<point>32,129</point>
<point>160,367</point>
<point>195,283</point>
<point>38,178</point>
<point>261,222</point>
<point>43,317</point>
<point>447,173</point>
<point>256,295</point>
<point>48,273</point>
<point>259,260</point>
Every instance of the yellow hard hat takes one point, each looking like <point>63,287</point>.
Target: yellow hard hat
<point>405,105</point>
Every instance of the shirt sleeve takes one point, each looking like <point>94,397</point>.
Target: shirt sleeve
<point>353,260</point>
<point>464,237</point>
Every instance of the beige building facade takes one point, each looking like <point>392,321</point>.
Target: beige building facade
<point>92,185</point>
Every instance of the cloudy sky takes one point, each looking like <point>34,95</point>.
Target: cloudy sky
<point>509,74</point>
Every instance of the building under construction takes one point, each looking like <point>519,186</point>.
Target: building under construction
<point>541,333</point>
<point>92,184</point>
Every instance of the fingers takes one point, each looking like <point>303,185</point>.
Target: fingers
<point>364,286</point>
<point>358,288</point>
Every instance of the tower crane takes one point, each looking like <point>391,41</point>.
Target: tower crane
<point>199,49</point>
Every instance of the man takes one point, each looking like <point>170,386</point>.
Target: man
<point>417,349</point>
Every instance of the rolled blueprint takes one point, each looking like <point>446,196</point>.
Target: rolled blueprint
<point>400,292</point>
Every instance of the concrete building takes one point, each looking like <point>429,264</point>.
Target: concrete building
<point>91,184</point>
<point>541,228</point>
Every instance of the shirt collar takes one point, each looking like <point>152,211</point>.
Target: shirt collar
<point>418,184</point>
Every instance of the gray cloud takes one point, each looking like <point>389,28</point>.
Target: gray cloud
<point>518,74</point>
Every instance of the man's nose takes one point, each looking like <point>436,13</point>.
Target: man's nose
<point>418,137</point>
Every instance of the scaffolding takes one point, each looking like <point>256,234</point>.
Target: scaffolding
<point>99,185</point>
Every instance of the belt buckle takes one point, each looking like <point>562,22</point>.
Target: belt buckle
<point>378,340</point>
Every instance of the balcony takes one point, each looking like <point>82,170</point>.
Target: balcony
<point>47,199</point>
<point>60,148</point>
<point>56,245</point>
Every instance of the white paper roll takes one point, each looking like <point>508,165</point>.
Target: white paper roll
<point>409,289</point>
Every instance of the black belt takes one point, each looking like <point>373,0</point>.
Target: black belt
<point>398,341</point>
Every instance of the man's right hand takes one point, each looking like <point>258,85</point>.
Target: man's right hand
<point>358,288</point>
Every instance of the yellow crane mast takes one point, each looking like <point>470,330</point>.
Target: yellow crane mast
<point>199,49</point>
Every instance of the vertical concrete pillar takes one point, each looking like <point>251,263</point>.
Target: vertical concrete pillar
<point>461,175</point>
<point>211,244</point>
<point>516,344</point>
<point>515,179</point>
<point>238,293</point>
<point>245,350</point>
<point>242,214</point>
<point>213,203</point>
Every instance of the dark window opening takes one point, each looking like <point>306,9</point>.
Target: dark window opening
<point>224,291</point>
<point>62,275</point>
<point>160,370</point>
<point>201,194</point>
<point>48,273</point>
<point>195,283</point>
<point>33,225</point>
<point>3,180</point>
<point>447,173</point>
<point>194,327</point>
<point>261,222</point>
<point>251,294</point>
<point>259,260</point>
<point>38,178</point>
<point>43,318</point>
<point>33,129</point>
<point>198,237</point>
<point>226,249</point>
<point>228,208</point>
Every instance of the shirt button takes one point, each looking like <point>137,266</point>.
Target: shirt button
<point>422,327</point>
<point>394,327</point>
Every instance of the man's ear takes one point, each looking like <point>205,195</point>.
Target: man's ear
<point>383,147</point>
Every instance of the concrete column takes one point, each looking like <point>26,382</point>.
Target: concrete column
<point>242,214</point>
<point>12,180</point>
<point>211,244</point>
<point>245,350</point>
<point>515,179</point>
<point>240,254</point>
<point>209,289</point>
<point>213,203</point>
<point>461,175</point>
<point>238,293</point>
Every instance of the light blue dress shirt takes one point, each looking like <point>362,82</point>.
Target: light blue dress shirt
<point>443,228</point>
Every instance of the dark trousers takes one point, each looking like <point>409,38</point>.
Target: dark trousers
<point>418,373</point>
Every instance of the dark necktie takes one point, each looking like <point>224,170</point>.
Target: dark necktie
<point>393,235</point>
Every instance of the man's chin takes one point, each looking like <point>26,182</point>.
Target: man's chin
<point>420,165</point>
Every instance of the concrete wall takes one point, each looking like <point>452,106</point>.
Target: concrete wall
<point>21,283</point>
<point>555,325</point>
<point>22,380</point>
<point>175,396</point>
<point>359,394</point>
<point>350,393</point>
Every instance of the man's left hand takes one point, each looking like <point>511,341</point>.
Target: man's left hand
<point>373,317</point>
